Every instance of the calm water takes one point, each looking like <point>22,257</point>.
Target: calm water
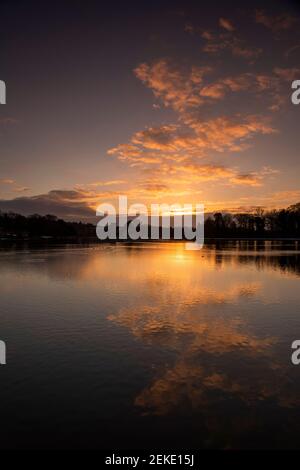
<point>144,345</point>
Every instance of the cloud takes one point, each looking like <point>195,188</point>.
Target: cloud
<point>226,24</point>
<point>170,156</point>
<point>12,185</point>
<point>69,205</point>
<point>21,189</point>
<point>215,91</point>
<point>135,155</point>
<point>188,90</point>
<point>287,74</point>
<point>107,183</point>
<point>269,201</point>
<point>275,23</point>
<point>176,89</point>
<point>250,82</point>
<point>208,35</point>
<point>6,181</point>
<point>190,173</point>
<point>195,138</point>
<point>229,133</point>
<point>239,49</point>
<point>289,196</point>
<point>166,138</point>
<point>216,43</point>
<point>249,179</point>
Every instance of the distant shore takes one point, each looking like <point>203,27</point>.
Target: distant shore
<point>283,224</point>
<point>95,240</point>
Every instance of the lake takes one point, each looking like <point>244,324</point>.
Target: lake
<point>146,345</point>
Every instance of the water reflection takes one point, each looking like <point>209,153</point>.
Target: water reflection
<point>218,324</point>
<point>222,356</point>
<point>78,262</point>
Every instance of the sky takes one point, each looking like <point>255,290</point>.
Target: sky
<point>163,101</point>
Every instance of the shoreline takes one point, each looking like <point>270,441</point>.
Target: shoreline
<point>81,240</point>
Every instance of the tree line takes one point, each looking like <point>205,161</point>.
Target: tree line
<point>36,226</point>
<point>260,223</point>
<point>281,223</point>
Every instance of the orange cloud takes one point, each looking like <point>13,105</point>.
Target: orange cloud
<point>216,43</point>
<point>250,179</point>
<point>7,181</point>
<point>244,82</point>
<point>226,24</point>
<point>175,88</point>
<point>191,173</point>
<point>21,189</point>
<point>223,133</point>
<point>107,183</point>
<point>179,142</point>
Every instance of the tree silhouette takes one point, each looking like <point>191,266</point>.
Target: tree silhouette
<point>283,223</point>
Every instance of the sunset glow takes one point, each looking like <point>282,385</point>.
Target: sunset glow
<point>199,111</point>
